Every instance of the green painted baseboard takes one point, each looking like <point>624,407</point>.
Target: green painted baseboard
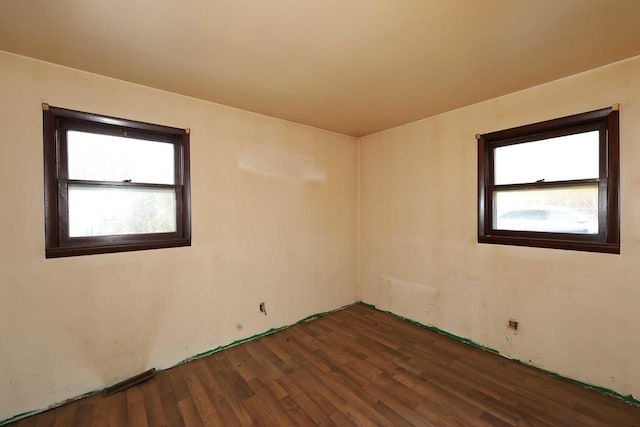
<point>260,335</point>
<point>627,398</point>
<point>55,405</point>
<point>188,359</point>
<point>17,417</point>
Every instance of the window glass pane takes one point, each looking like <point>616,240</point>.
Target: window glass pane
<point>104,211</point>
<point>112,158</point>
<point>554,159</point>
<point>566,210</point>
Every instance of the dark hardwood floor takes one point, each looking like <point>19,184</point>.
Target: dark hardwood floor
<point>357,366</point>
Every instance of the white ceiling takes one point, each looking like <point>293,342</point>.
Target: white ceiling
<point>350,66</point>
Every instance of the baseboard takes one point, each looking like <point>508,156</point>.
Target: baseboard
<point>182,362</point>
<point>627,398</point>
<point>18,417</point>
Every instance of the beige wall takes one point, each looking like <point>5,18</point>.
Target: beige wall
<point>274,220</point>
<point>419,257</point>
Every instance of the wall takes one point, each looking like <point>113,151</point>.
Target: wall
<point>274,220</point>
<point>419,256</point>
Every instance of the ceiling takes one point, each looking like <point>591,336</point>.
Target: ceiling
<point>350,66</point>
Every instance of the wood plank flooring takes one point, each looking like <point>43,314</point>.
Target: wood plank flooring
<point>354,367</point>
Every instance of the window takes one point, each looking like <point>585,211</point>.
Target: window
<point>553,184</point>
<point>113,185</point>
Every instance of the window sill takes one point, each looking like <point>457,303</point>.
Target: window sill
<point>68,251</point>
<point>537,242</point>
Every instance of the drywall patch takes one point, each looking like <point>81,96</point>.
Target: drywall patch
<point>414,300</point>
<point>278,163</point>
<point>626,397</point>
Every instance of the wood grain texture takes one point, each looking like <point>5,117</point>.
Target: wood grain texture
<point>354,367</point>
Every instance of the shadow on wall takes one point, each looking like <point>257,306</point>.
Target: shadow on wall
<point>122,310</point>
<point>111,328</point>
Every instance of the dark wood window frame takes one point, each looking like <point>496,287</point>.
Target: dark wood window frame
<point>56,121</point>
<point>608,239</point>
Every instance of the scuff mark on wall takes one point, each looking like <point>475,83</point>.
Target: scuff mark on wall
<point>279,163</point>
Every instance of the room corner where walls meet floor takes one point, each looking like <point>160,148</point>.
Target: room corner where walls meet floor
<point>627,398</point>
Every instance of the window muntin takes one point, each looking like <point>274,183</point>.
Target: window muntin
<point>113,185</point>
<point>552,184</point>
